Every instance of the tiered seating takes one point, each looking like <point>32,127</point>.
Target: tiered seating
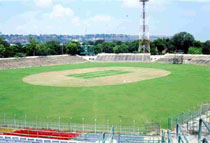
<point>123,58</point>
<point>9,63</point>
<point>197,59</point>
<point>185,59</point>
<point>89,137</point>
<point>15,139</point>
<point>50,134</point>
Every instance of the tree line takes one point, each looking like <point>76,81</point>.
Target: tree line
<point>180,43</point>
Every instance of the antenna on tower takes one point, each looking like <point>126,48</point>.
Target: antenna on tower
<point>144,41</point>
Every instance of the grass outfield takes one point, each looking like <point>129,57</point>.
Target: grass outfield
<point>186,87</point>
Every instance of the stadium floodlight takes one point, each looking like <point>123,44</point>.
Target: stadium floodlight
<point>144,42</point>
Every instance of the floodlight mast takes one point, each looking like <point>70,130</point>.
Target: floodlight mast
<point>144,41</point>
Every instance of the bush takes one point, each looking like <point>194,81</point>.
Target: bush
<point>17,55</point>
<point>195,50</point>
<point>136,52</point>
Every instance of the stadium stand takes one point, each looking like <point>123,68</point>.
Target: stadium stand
<point>91,139</point>
<point>30,132</point>
<point>8,63</point>
<point>17,139</point>
<point>187,127</point>
<point>62,135</point>
<point>168,58</point>
<point>183,59</point>
<point>11,63</point>
<point>123,58</point>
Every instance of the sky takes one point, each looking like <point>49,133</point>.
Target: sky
<point>165,17</point>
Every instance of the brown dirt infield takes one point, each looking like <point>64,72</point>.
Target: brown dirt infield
<point>61,78</point>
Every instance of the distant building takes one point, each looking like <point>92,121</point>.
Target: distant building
<point>63,39</point>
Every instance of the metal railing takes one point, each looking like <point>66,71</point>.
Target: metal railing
<point>201,121</point>
<point>185,117</point>
<point>180,134</point>
<point>170,140</point>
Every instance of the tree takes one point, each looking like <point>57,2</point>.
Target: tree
<point>133,46</point>
<point>98,48</point>
<point>5,49</point>
<point>108,47</point>
<point>42,49</point>
<point>99,42</point>
<point>182,41</point>
<point>198,44</point>
<point>53,47</point>
<point>172,49</point>
<point>90,43</point>
<point>206,48</point>
<point>160,44</point>
<point>31,47</point>
<point>73,48</point>
<point>9,51</point>
<point>117,42</point>
<point>168,44</point>
<point>121,48</point>
<point>20,50</point>
<point>20,47</point>
<point>2,51</point>
<point>153,49</point>
<point>4,43</point>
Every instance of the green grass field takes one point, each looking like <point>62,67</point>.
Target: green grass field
<point>185,88</point>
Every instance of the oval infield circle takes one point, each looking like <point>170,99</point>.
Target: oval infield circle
<point>94,76</point>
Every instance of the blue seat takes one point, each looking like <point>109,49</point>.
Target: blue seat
<point>47,141</point>
<point>39,140</point>
<point>31,140</point>
<point>8,138</point>
<point>23,139</point>
<point>15,138</point>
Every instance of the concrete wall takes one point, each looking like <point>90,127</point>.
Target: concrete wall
<point>9,63</point>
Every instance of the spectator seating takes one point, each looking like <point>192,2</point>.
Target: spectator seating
<point>16,139</point>
<point>123,58</point>
<point>185,59</point>
<point>8,63</point>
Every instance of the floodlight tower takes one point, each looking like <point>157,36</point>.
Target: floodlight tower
<point>144,42</point>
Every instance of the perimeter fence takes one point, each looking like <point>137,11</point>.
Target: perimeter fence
<point>9,123</point>
<point>185,117</point>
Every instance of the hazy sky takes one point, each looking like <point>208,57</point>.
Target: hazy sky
<point>166,17</point>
